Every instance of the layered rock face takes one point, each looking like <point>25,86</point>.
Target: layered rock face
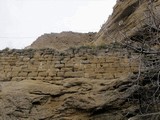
<point>127,19</point>
<point>62,41</point>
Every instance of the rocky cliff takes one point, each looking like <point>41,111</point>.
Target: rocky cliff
<point>128,18</point>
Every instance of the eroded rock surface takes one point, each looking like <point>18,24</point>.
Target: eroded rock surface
<point>128,17</point>
<point>70,99</point>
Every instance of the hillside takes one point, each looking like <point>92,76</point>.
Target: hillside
<point>63,40</point>
<point>129,17</point>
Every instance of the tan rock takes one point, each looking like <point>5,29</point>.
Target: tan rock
<point>127,19</point>
<point>33,74</point>
<point>63,99</point>
<point>42,74</point>
<point>74,74</point>
<point>22,74</point>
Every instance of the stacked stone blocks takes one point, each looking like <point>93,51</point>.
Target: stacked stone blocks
<point>52,65</point>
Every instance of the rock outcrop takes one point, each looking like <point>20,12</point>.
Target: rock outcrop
<point>62,41</point>
<point>70,99</point>
<point>127,19</point>
<point>78,84</point>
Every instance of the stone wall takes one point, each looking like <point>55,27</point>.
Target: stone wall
<point>48,64</point>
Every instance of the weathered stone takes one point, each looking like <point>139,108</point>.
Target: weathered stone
<point>74,74</point>
<point>69,65</point>
<point>67,69</point>
<point>33,74</point>
<point>108,76</point>
<point>60,74</point>
<point>48,78</point>
<point>15,74</point>
<point>18,78</point>
<point>152,116</point>
<point>85,62</point>
<point>72,64</point>
<point>41,70</point>
<point>52,73</point>
<point>128,17</point>
<point>42,74</point>
<point>23,74</point>
<point>58,78</point>
<point>4,77</point>
<point>39,78</point>
<point>90,75</point>
<point>26,59</point>
<point>59,65</point>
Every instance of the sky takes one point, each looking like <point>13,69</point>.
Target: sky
<point>23,21</point>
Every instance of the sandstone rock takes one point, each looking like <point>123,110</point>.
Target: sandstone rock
<point>74,74</point>
<point>4,77</point>
<point>128,17</point>
<point>70,99</point>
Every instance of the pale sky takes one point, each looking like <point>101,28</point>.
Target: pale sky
<point>22,21</point>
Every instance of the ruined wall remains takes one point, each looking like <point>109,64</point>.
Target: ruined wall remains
<point>48,64</point>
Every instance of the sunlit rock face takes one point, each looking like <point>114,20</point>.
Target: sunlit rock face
<point>128,17</point>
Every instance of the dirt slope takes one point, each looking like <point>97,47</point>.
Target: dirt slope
<point>62,41</point>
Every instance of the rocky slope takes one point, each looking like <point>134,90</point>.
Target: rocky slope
<point>62,41</point>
